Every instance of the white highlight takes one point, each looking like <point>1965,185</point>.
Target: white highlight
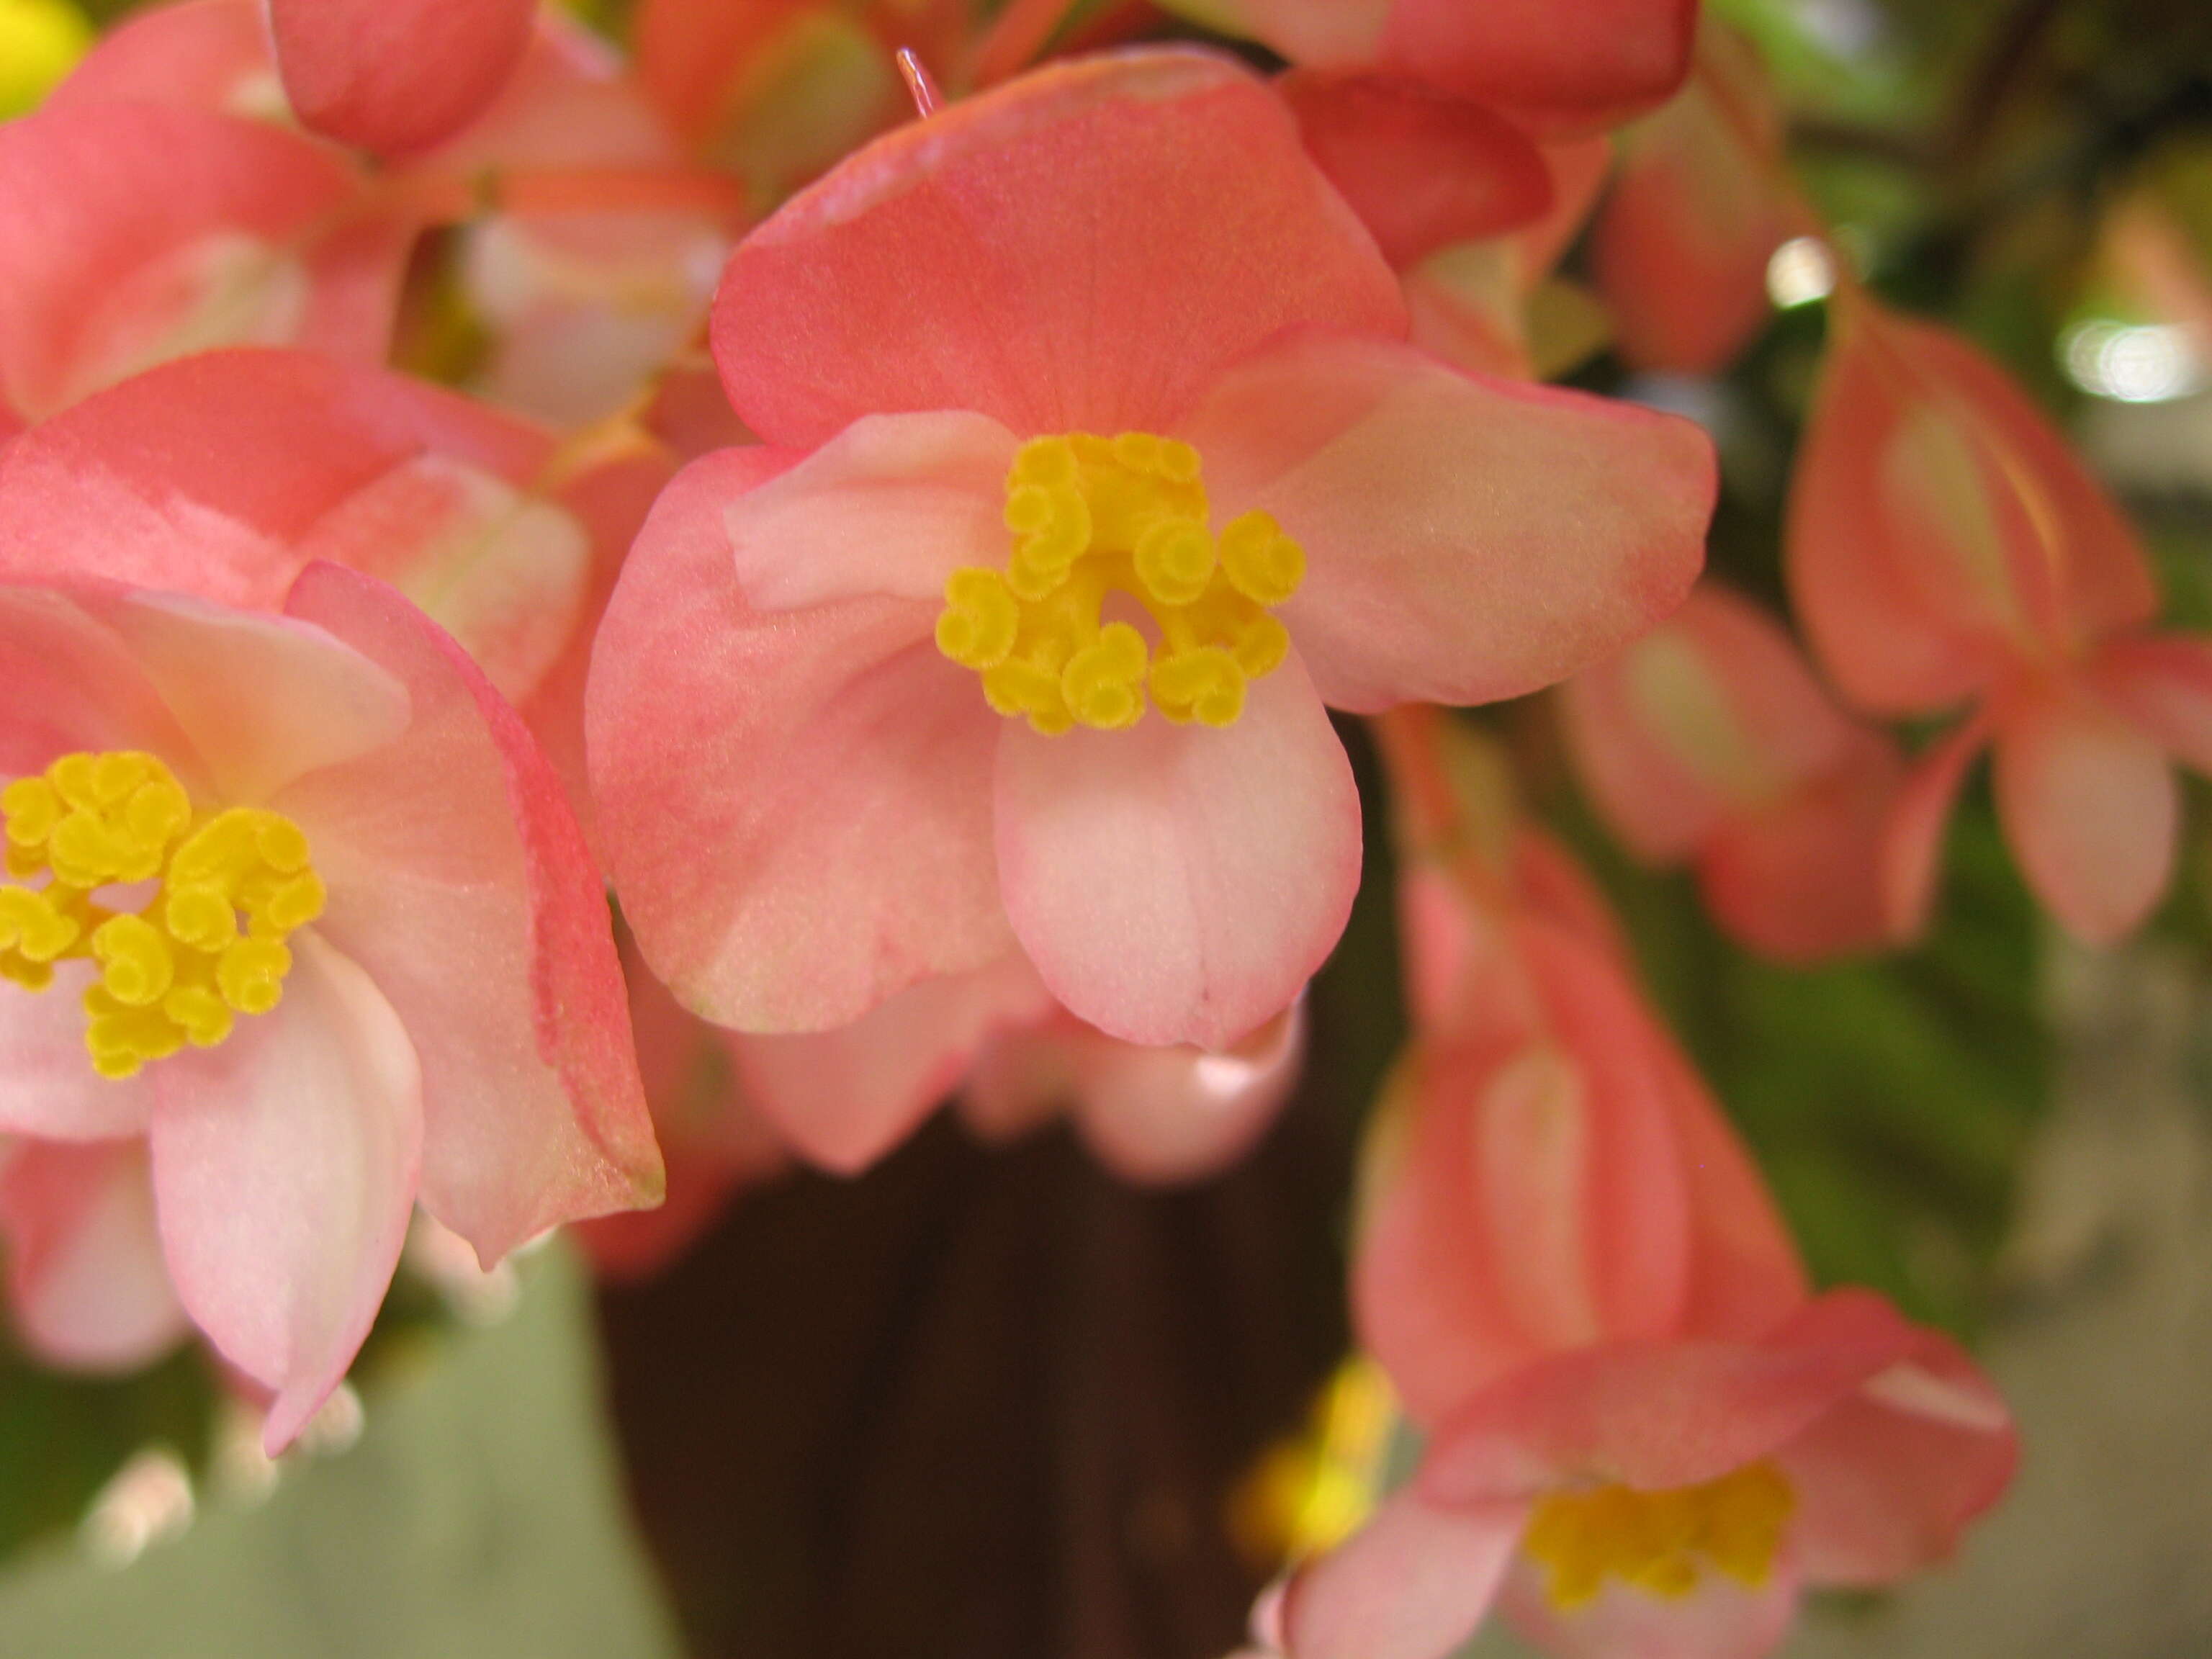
<point>1802,272</point>
<point>2133,363</point>
<point>147,1502</point>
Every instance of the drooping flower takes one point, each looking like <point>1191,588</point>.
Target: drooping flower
<point>296,898</point>
<point>1710,742</point>
<point>1635,1498</point>
<point>1089,390</point>
<point>1945,547</point>
<point>1549,1171</point>
<point>396,75</point>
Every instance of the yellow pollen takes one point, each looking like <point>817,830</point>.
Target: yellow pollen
<point>1662,1542</point>
<point>208,946</point>
<point>1091,516</point>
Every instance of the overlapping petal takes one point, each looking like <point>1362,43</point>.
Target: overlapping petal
<point>87,1288</point>
<point>395,75</point>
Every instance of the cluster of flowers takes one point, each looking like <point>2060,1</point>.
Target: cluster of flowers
<point>947,711</point>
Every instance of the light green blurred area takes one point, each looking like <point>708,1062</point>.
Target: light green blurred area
<point>480,1514</point>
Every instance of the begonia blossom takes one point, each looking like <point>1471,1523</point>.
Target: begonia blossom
<point>296,898</point>
<point>396,75</point>
<point>1093,354</point>
<point>1710,742</point>
<point>1674,1496</point>
<point>1946,548</point>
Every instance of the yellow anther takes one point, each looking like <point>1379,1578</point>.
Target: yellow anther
<point>137,966</point>
<point>1092,516</point>
<point>207,946</point>
<point>1661,1542</point>
<point>1260,562</point>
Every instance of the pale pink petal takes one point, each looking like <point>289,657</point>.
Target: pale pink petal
<point>2090,809</point>
<point>72,683</point>
<point>1420,169</point>
<point>1466,538</point>
<point>394,76</point>
<point>284,1169</point>
<point>47,1085</point>
<point>843,1099</point>
<point>1414,1582</point>
<point>459,880</point>
<point>2163,683</point>
<point>1179,884</point>
<point>1658,1415</point>
<point>1912,846</point>
<point>1079,249</point>
<point>796,805</point>
<point>891,505</point>
<point>87,1288</point>
<point>211,54</point>
<point>1719,1619</point>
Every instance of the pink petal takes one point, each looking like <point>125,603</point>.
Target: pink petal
<point>458,879</point>
<point>844,1098</point>
<point>72,684</point>
<point>393,76</point>
<point>795,804</point>
<point>209,54</point>
<point>1566,68</point>
<point>2089,808</point>
<point>87,1288</point>
<point>47,1085</point>
<point>1719,1619</point>
<point>2163,684</point>
<point>1421,170</point>
<point>284,1170</point>
<point>1414,1582</point>
<point>137,232</point>
<point>1912,846</point>
<point>1081,248</point>
<point>1466,538</point>
<point>892,505</point>
<point>1179,884</point>
<point>1801,879</point>
<point>1887,1482</point>
<point>1658,1415</point>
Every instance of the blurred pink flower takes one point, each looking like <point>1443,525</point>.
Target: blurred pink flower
<point>396,75</point>
<point>86,1287</point>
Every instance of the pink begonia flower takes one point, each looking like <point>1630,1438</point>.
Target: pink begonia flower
<point>1945,547</point>
<point>373,963</point>
<point>137,232</point>
<point>1710,742</point>
<point>1681,245</point>
<point>86,1287</point>
<point>396,75</point>
<point>811,802</point>
<point>1557,66</point>
<point>226,474</point>
<point>1549,1171</point>
<point>1668,1499</point>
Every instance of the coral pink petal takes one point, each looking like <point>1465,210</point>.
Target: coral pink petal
<point>1663,1414</point>
<point>842,1099</point>
<point>1888,1482</point>
<point>2163,684</point>
<point>1082,248</point>
<point>1912,843</point>
<point>1800,880</point>
<point>138,233</point>
<point>1414,1582</point>
<point>86,1287</point>
<point>891,505</point>
<point>1420,169</point>
<point>2090,809</point>
<point>72,683</point>
<point>1720,1619</point>
<point>459,880</point>
<point>1565,68</point>
<point>1466,538</point>
<point>209,54</point>
<point>796,805</point>
<point>285,1162</point>
<point>1163,1116</point>
<point>396,75</point>
<point>1179,884</point>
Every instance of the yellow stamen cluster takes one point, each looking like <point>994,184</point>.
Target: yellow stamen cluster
<point>208,946</point>
<point>1092,516</point>
<point>1661,1542</point>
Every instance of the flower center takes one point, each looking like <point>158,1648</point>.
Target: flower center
<point>208,946</point>
<point>1092,516</point>
<point>1662,1542</point>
